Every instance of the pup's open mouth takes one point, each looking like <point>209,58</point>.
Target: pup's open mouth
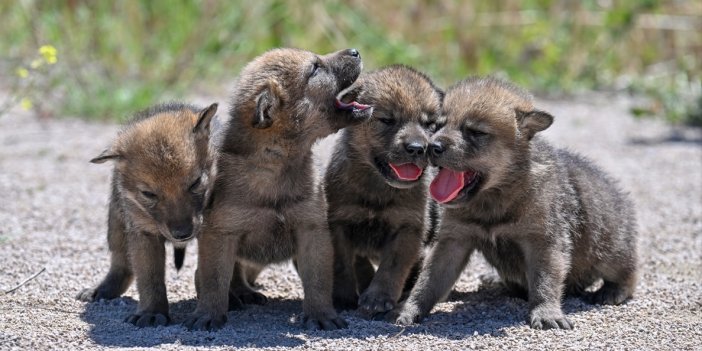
<point>448,184</point>
<point>351,106</point>
<point>403,173</point>
<point>408,172</point>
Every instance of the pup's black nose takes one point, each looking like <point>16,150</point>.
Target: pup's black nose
<point>182,231</point>
<point>436,149</point>
<point>415,148</point>
<point>354,53</point>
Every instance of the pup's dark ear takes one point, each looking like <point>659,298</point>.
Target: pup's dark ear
<point>533,122</point>
<point>266,102</point>
<point>202,126</point>
<point>441,94</point>
<point>107,155</point>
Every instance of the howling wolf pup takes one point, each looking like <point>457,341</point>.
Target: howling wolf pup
<point>268,205</point>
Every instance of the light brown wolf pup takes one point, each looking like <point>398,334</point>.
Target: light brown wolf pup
<point>268,205</point>
<point>376,188</point>
<point>547,219</point>
<point>163,171</point>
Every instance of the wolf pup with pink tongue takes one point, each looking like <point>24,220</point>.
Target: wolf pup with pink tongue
<point>268,202</point>
<point>377,191</point>
<point>547,219</point>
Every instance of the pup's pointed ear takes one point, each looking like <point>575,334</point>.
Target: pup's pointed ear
<point>533,122</point>
<point>266,102</point>
<point>107,155</point>
<point>202,126</point>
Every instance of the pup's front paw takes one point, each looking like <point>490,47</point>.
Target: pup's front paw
<point>87,295</point>
<point>407,318</point>
<point>406,314</point>
<point>549,318</point>
<point>324,323</point>
<point>94,294</point>
<point>372,303</point>
<point>146,319</point>
<point>205,321</point>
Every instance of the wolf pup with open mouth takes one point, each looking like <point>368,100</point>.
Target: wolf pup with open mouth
<point>547,219</point>
<point>376,188</point>
<point>268,204</point>
<point>164,167</point>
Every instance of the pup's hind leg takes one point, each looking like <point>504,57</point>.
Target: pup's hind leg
<point>251,272</point>
<point>412,277</point>
<point>512,289</point>
<point>364,272</point>
<point>240,290</point>
<point>120,275</point>
<point>618,285</point>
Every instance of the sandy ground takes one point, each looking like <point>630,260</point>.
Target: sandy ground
<point>53,215</point>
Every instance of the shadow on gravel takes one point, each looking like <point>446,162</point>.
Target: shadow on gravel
<point>272,325</point>
<point>487,311</point>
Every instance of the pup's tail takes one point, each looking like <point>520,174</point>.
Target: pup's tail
<point>178,257</point>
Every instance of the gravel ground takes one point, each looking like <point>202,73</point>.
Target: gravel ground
<point>53,214</point>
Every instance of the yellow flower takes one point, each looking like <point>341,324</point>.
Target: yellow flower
<point>49,54</point>
<point>22,72</point>
<point>26,104</point>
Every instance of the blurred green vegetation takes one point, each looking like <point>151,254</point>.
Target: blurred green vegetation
<point>115,57</point>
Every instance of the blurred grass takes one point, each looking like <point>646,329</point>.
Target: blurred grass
<point>117,57</point>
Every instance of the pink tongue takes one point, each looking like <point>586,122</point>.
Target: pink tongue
<point>446,185</point>
<point>353,105</point>
<point>407,171</point>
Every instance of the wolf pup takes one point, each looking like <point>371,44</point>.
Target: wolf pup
<point>163,172</point>
<point>545,218</point>
<point>268,205</point>
<point>376,188</point>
